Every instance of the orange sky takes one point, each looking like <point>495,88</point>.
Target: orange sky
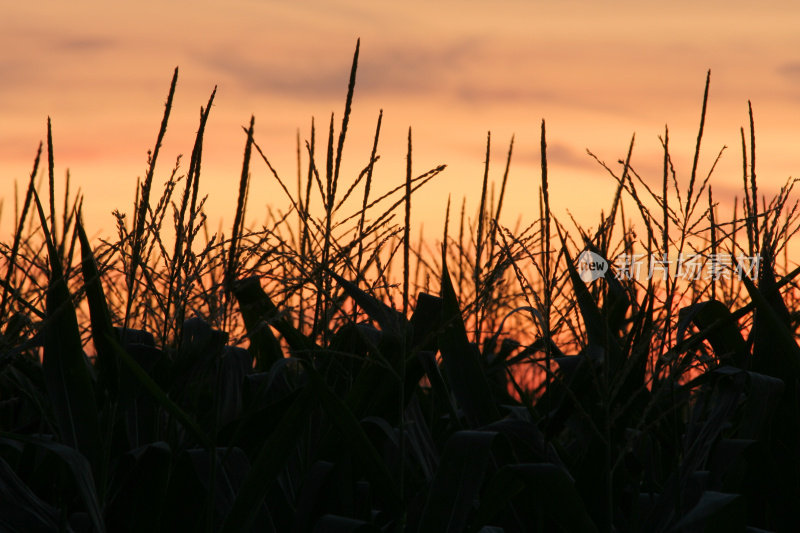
<point>595,71</point>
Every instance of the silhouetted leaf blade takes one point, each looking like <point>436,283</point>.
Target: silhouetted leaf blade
<point>64,364</point>
<point>78,466</point>
<point>461,362</point>
<point>458,481</point>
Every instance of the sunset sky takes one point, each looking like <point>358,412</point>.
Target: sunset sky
<point>595,71</point>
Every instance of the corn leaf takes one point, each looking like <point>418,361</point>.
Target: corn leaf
<point>65,366</point>
<point>552,494</point>
<point>79,468</point>
<point>268,463</point>
<point>461,361</point>
<point>782,360</point>
<point>726,340</point>
<point>458,481</point>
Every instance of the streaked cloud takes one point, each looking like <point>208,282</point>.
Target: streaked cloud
<point>790,70</point>
<point>82,44</point>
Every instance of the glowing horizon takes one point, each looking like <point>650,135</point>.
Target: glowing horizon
<point>452,72</point>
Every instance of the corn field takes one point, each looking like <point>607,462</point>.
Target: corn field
<point>327,372</point>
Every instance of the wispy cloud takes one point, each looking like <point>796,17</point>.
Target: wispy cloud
<point>790,70</point>
<point>392,70</point>
<point>82,44</point>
